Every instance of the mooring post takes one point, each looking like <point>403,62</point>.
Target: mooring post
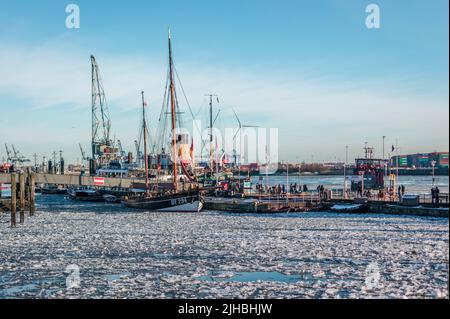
<point>13,200</point>
<point>32,193</point>
<point>22,197</point>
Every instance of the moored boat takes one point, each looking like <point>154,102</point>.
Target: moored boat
<point>51,189</point>
<point>181,202</point>
<point>86,195</point>
<point>111,199</point>
<point>349,208</point>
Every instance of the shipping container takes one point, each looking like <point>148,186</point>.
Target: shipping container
<point>403,161</point>
<point>443,159</point>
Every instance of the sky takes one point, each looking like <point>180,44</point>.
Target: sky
<point>311,69</point>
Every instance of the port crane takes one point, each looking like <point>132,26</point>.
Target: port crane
<point>120,149</point>
<point>83,153</point>
<point>8,153</point>
<point>15,157</point>
<point>84,158</point>
<point>139,155</point>
<point>103,149</point>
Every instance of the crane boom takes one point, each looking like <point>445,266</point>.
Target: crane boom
<point>83,154</point>
<point>8,152</point>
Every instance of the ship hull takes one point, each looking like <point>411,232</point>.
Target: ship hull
<point>178,203</point>
<point>85,196</point>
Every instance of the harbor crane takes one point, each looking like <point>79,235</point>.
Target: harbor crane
<point>83,154</point>
<point>8,153</point>
<point>138,151</point>
<point>15,157</point>
<point>120,148</point>
<point>14,150</point>
<point>102,146</point>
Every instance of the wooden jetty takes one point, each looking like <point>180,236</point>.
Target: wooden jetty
<point>22,196</point>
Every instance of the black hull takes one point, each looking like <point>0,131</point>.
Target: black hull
<point>85,197</point>
<point>166,202</point>
<point>53,191</point>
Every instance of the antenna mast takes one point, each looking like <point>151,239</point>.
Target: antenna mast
<point>211,124</point>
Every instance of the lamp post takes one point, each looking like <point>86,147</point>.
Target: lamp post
<point>345,171</point>
<point>433,164</point>
<point>384,163</point>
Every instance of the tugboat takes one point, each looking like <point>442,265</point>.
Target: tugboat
<point>172,199</point>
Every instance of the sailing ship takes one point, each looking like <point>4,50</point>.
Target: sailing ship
<point>158,198</point>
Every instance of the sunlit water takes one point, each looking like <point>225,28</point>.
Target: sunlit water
<point>121,253</point>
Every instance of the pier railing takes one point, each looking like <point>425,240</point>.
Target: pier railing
<point>314,198</point>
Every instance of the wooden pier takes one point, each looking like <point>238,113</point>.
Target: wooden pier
<point>22,196</point>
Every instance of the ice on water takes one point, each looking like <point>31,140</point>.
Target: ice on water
<point>128,254</point>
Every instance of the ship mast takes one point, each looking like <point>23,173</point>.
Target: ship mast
<point>144,126</point>
<point>173,113</point>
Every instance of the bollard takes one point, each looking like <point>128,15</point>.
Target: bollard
<point>13,200</point>
<point>22,197</point>
<point>32,193</point>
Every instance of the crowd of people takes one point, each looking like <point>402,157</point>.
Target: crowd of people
<point>280,189</point>
<point>388,193</point>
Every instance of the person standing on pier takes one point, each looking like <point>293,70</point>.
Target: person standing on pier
<point>435,196</point>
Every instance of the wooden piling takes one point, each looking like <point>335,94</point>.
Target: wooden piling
<point>32,193</point>
<point>22,197</point>
<point>13,200</point>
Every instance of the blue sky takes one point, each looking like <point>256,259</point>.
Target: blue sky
<point>310,68</point>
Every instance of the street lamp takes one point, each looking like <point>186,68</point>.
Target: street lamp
<point>433,164</point>
<point>345,171</point>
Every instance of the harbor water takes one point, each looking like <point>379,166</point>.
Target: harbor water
<point>94,250</point>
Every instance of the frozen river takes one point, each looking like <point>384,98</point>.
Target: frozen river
<point>73,250</point>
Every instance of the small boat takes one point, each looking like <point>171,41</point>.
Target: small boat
<point>112,199</point>
<point>52,189</point>
<point>86,195</point>
<point>349,208</point>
